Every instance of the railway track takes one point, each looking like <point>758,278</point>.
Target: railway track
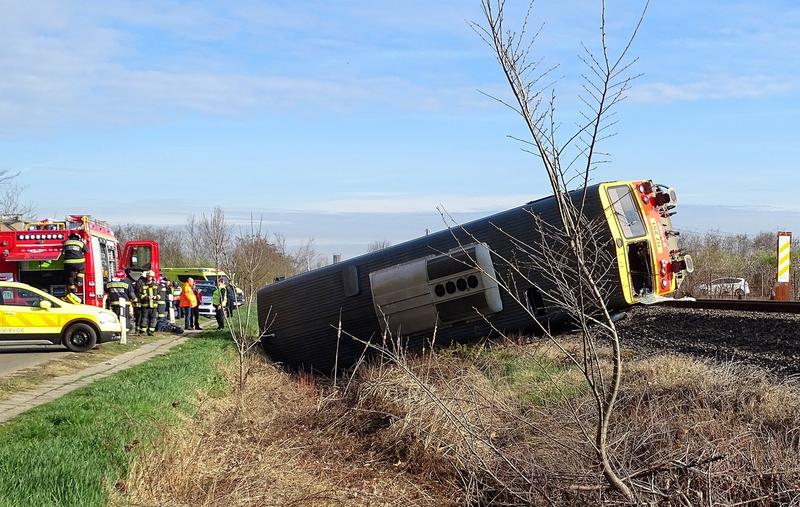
<point>739,305</point>
<point>765,334</point>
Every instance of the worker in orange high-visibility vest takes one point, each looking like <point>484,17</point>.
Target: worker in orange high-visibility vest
<point>188,301</point>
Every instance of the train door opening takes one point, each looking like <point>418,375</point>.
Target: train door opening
<point>639,264</point>
<point>535,303</point>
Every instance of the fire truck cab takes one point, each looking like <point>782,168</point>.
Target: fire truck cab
<point>31,252</point>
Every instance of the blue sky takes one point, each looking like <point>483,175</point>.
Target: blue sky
<point>370,112</point>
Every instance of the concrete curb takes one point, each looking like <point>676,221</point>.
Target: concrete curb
<point>59,386</point>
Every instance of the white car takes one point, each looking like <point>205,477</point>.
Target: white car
<point>206,308</point>
<point>724,287</point>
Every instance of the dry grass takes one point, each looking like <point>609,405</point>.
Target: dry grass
<point>281,443</point>
<point>482,426</point>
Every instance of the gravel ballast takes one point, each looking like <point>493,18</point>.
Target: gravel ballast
<point>768,340</point>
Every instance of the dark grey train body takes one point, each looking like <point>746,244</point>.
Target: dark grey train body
<point>409,285</point>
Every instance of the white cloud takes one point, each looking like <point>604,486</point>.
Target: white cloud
<point>400,203</point>
<point>738,87</point>
<point>61,62</point>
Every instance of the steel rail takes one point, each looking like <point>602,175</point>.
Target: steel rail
<point>742,305</point>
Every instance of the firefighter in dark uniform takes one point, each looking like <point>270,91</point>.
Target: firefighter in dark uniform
<point>74,263</point>
<point>118,289</point>
<point>148,302</point>
<point>134,293</point>
<point>163,298</point>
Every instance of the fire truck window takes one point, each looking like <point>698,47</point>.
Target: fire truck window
<point>140,260</point>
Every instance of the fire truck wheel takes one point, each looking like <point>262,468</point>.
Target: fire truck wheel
<point>80,337</point>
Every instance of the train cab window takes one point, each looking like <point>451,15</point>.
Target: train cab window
<point>627,212</point>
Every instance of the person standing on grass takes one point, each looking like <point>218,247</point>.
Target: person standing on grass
<point>188,301</point>
<point>229,288</point>
<point>120,299</point>
<point>163,298</point>
<point>198,296</point>
<point>149,298</point>
<point>176,298</point>
<point>220,301</point>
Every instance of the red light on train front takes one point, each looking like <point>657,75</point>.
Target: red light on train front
<point>645,187</point>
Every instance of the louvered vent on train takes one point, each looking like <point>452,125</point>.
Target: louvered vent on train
<point>455,286</point>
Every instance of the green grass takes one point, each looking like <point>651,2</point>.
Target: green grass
<point>532,377</point>
<point>71,451</point>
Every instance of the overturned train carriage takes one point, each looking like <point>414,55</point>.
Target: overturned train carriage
<point>448,280</point>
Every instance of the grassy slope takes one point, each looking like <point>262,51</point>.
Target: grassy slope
<point>70,451</point>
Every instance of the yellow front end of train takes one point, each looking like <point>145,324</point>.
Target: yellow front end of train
<point>651,266</point>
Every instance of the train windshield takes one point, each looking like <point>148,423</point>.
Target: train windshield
<point>630,221</point>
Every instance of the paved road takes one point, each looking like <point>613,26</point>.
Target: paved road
<point>18,358</point>
<point>58,386</point>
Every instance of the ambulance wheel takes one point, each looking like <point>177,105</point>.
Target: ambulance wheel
<point>80,337</point>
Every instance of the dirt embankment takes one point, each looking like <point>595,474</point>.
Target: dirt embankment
<point>767,340</point>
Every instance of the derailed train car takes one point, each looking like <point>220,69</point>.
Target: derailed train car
<point>448,280</point>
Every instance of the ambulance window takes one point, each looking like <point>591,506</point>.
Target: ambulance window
<point>19,297</point>
<point>627,211</point>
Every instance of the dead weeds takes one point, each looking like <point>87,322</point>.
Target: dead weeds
<point>448,429</point>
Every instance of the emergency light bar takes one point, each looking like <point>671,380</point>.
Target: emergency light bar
<point>40,236</point>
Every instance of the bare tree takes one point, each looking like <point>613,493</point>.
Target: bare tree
<point>273,261</point>
<point>379,244</point>
<point>568,252</point>
<point>171,241</point>
<point>305,257</point>
<point>251,260</point>
<point>215,234</point>
<point>11,196</point>
<point>198,249</point>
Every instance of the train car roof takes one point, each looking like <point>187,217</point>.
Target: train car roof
<point>405,244</point>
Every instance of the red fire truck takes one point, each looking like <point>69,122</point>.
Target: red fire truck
<point>31,252</point>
